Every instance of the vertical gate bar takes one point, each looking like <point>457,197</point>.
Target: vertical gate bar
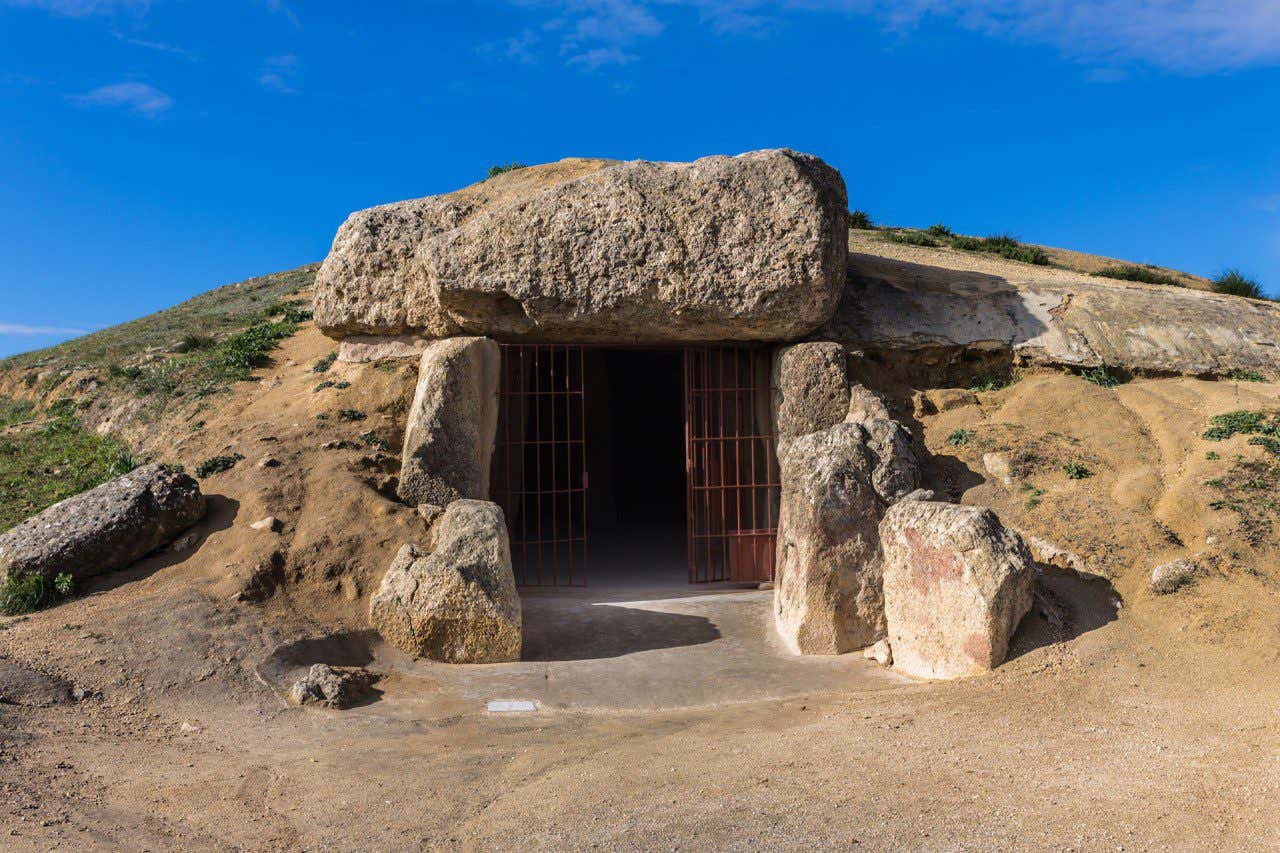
<point>688,467</point>
<point>555,494</point>
<point>737,442</point>
<point>707,457</point>
<point>568,463</point>
<point>723,491</point>
<point>582,435</point>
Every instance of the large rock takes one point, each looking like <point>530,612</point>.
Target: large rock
<point>946,301</point>
<point>956,585</point>
<point>810,388</point>
<point>448,441</point>
<point>106,528</point>
<point>827,598</point>
<point>459,603</point>
<point>726,248</point>
<point>896,472</point>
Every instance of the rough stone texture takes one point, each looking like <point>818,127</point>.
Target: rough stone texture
<point>811,392</point>
<point>328,687</point>
<point>1172,576</point>
<point>1050,316</point>
<point>106,528</point>
<point>448,441</point>
<point>828,596</point>
<point>457,604</point>
<point>726,248</point>
<point>881,653</point>
<point>956,585</point>
<point>896,470</point>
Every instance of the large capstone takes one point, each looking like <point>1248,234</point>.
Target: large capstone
<point>827,598</point>
<point>457,604</point>
<point>448,441</point>
<point>751,247</point>
<point>956,585</point>
<point>105,528</point>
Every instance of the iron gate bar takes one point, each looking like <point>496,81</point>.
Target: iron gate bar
<point>541,504</point>
<point>725,412</point>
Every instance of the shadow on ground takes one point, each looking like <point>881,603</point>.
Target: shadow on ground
<point>567,629</point>
<point>1066,606</point>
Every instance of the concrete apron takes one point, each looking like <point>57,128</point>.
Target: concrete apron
<point>619,649</point>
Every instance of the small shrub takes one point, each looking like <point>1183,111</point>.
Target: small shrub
<point>28,593</point>
<point>371,439</point>
<point>235,359</point>
<point>1033,500</point>
<point>351,415</point>
<point>912,238</point>
<point>1003,245</point>
<point>328,383</point>
<point>940,230</point>
<point>494,171</point>
<point>1129,272</point>
<point>960,437</point>
<point>341,385</point>
<point>131,371</point>
<point>1241,422</point>
<point>1099,376</point>
<point>217,464</point>
<point>1076,471</point>
<point>324,362</point>
<point>288,311</point>
<point>1245,376</point>
<point>1213,456</point>
<point>1236,283</point>
<point>1269,443</point>
<point>860,220</point>
<point>985,382</point>
<point>194,342</point>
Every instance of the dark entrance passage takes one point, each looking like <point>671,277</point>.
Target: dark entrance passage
<point>650,466</point>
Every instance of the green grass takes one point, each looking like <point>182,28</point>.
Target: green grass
<point>911,238</point>
<point>214,315</point>
<point>940,231</point>
<point>1132,272</point>
<point>1245,376</point>
<point>960,437</point>
<point>351,415</point>
<point>1099,376</point>
<point>1003,245</point>
<point>29,593</point>
<point>1236,283</point>
<point>985,382</point>
<point>1241,422</point>
<point>860,220</point>
<point>324,362</point>
<point>51,461</point>
<point>1251,490</point>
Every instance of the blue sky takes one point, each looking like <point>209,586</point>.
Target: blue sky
<point>153,149</point>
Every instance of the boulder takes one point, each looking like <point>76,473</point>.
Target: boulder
<point>811,391</point>
<point>331,687</point>
<point>828,594</point>
<point>1173,576</point>
<point>457,604</point>
<point>956,585</point>
<point>105,528</point>
<point>881,653</point>
<point>751,247</point>
<point>896,469</point>
<point>452,423</point>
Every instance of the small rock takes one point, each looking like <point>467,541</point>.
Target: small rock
<point>185,543</point>
<point>997,466</point>
<point>189,728</point>
<point>1172,576</point>
<point>919,495</point>
<point>268,462</point>
<point>881,653</point>
<point>269,523</point>
<point>331,687</point>
<point>765,585</point>
<point>429,513</point>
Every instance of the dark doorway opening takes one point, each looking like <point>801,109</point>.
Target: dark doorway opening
<point>635,455</point>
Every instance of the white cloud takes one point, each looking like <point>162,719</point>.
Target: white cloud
<point>24,329</point>
<point>280,73</point>
<point>279,7</point>
<point>1181,36</point>
<point>141,98</point>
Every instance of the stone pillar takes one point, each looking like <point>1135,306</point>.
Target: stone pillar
<point>449,437</point>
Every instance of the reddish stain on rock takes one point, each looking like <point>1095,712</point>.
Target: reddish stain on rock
<point>978,648</point>
<point>931,566</point>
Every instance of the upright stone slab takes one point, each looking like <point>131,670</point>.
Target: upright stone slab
<point>457,604</point>
<point>811,391</point>
<point>827,597</point>
<point>956,585</point>
<point>105,528</point>
<point>752,247</point>
<point>448,441</point>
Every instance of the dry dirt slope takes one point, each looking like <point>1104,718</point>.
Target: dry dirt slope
<point>1151,730</point>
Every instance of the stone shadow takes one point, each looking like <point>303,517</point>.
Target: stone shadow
<point>575,629</point>
<point>290,661</point>
<point>220,514</point>
<point>1066,606</point>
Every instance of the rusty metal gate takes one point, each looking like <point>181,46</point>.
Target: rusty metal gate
<point>540,462</point>
<point>734,486</point>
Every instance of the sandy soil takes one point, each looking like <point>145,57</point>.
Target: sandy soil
<point>1154,730</point>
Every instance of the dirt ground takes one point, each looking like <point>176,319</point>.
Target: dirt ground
<point>1154,730</point>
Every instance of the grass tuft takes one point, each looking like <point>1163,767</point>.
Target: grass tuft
<point>1236,283</point>
<point>911,238</point>
<point>1077,471</point>
<point>960,437</point>
<point>1003,245</point>
<point>1131,272</point>
<point>500,169</point>
<point>1099,376</point>
<point>1241,422</point>
<point>860,220</point>
<point>216,464</point>
<point>31,592</point>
